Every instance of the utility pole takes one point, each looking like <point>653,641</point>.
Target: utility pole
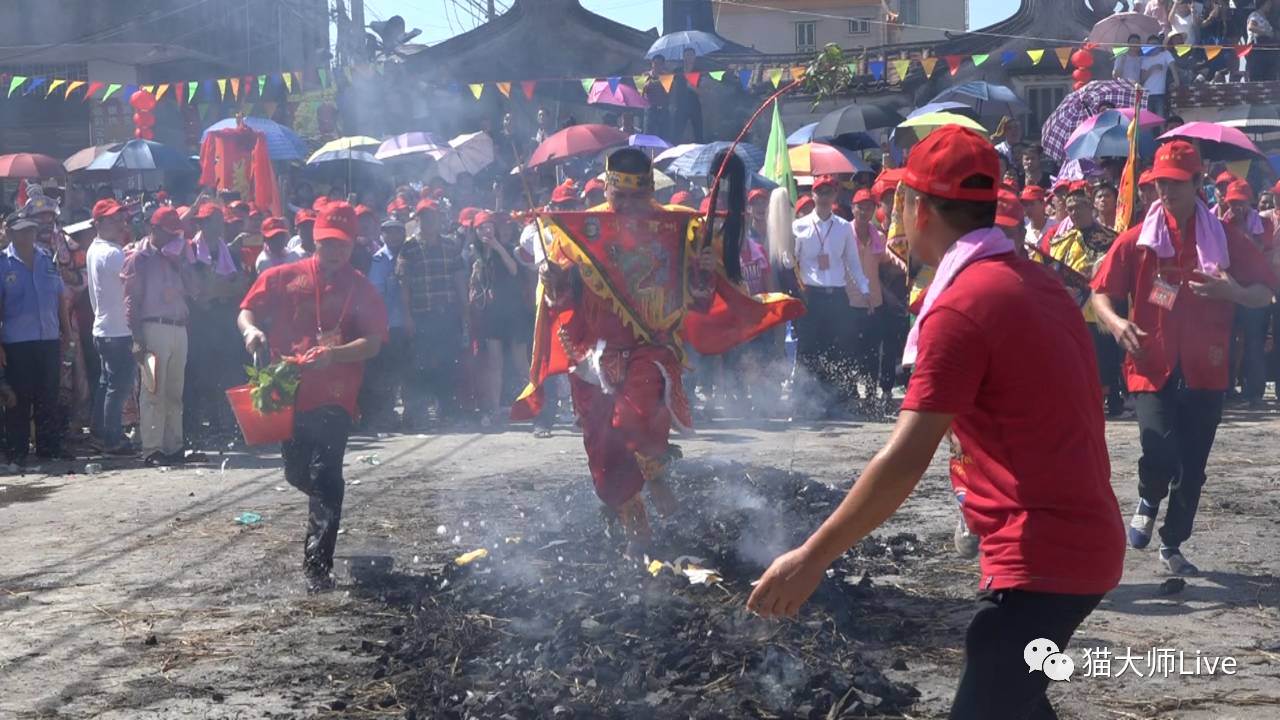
<point>491,13</point>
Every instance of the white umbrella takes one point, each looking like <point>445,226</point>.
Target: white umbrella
<point>672,153</point>
<point>468,153</point>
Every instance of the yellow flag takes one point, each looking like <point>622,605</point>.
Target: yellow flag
<point>797,72</point>
<point>666,81</point>
<point>54,86</point>
<point>1182,50</point>
<point>641,82</point>
<point>1036,56</point>
<point>71,87</point>
<point>1064,56</point>
<point>504,88</point>
<point>288,81</point>
<point>902,67</point>
<point>476,89</point>
<point>161,90</point>
<point>775,76</point>
<point>222,88</point>
<point>928,64</point>
<point>149,88</point>
<point>1127,201</point>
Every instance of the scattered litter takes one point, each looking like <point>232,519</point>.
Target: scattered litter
<point>93,468</point>
<point>201,471</point>
<point>440,530</point>
<point>369,459</point>
<point>248,518</point>
<point>513,539</point>
<point>655,567</point>
<point>164,468</point>
<point>468,558</point>
<point>1172,586</point>
<point>383,436</point>
<point>553,543</point>
<point>342,531</point>
<point>702,576</point>
<point>355,482</point>
<point>415,559</point>
<point>279,488</point>
<point>225,461</point>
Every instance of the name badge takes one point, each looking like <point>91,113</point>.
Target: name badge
<point>329,338</point>
<point>1163,294</point>
<point>824,261</point>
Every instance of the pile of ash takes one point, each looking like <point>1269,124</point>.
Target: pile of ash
<point>555,623</point>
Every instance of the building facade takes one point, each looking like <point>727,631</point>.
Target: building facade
<point>799,26</point>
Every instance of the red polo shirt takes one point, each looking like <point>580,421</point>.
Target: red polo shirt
<point>1196,334</point>
<point>285,301</point>
<point>1005,350</point>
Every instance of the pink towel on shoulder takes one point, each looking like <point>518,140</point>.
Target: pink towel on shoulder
<point>1211,237</point>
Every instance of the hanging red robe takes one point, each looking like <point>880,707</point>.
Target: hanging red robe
<point>237,159</point>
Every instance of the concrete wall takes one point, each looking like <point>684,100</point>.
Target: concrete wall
<point>771,31</point>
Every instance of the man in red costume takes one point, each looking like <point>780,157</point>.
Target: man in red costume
<point>624,287</point>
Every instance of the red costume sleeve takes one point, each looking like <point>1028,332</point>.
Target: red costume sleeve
<point>735,318</point>
<point>208,160</point>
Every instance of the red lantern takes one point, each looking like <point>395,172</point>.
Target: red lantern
<point>144,119</point>
<point>1082,59</point>
<point>143,101</point>
<point>144,133</point>
<point>1082,75</point>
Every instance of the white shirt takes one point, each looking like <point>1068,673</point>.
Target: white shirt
<point>1158,65</point>
<point>104,262</point>
<point>1188,26</point>
<point>295,247</point>
<point>1129,67</point>
<point>267,261</point>
<point>832,237</point>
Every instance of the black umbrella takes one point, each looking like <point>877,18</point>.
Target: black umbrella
<point>1263,117</point>
<point>140,155</point>
<point>856,119</point>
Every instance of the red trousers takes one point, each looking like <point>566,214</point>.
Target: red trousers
<point>615,427</point>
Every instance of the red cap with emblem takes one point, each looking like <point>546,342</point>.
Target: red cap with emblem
<point>1009,211</point>
<point>1239,191</point>
<point>482,217</point>
<point>426,205</point>
<point>274,226</point>
<point>804,203</point>
<point>336,221</point>
<point>863,195</point>
<point>319,202</point>
<point>166,218</point>
<point>1032,193</point>
<point>394,206</point>
<point>593,185</point>
<point>941,163</point>
<point>565,192</point>
<point>466,218</point>
<point>238,207</point>
<point>1225,178</point>
<point>105,208</point>
<point>1177,160</point>
<point>825,182</point>
<point>1146,179</point>
<point>207,210</point>
<point>304,216</point>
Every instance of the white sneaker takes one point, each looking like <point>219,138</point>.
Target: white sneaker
<point>965,541</point>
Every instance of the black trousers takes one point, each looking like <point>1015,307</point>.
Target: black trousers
<point>894,327</point>
<point>31,369</point>
<point>1177,427</point>
<point>385,377</point>
<point>824,348</point>
<point>995,683</point>
<point>313,464</point>
<point>436,349</point>
<point>215,362</point>
<point>1107,352</point>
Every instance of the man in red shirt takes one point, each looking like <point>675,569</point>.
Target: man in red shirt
<point>1183,274</point>
<point>330,315</point>
<point>1003,360</point>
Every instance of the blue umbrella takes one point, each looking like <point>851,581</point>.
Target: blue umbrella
<point>673,46</point>
<point>282,143</point>
<point>988,99</point>
<point>803,135</point>
<point>1109,138</point>
<point>947,106</point>
<point>762,182</point>
<point>849,141</point>
<point>140,155</point>
<point>697,162</point>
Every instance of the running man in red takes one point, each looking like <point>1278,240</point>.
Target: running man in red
<point>1003,359</point>
<point>325,311</point>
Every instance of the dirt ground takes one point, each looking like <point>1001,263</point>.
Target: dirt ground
<point>134,593</point>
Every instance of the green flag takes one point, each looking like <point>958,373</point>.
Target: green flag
<point>777,163</point>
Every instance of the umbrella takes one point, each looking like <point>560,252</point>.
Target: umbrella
<point>672,46</point>
<point>1109,138</point>
<point>1116,29</point>
<point>1078,106</point>
<point>950,106</point>
<point>988,99</point>
<point>624,96</point>
<point>671,153</point>
<point>410,144</point>
<point>320,157</point>
<point>1253,119</point>
<point>1217,142</point>
<point>661,180</point>
<point>82,158</point>
<point>357,142</point>
<point>140,155</point>
<point>855,118</point>
<point>697,162</point>
<point>648,142</point>
<point>1082,169</point>
<point>30,165</point>
<point>577,140</point>
<point>282,142</point>
<point>849,141</point>
<point>469,153</point>
<point>914,130</point>
<point>820,159</point>
<point>762,182</point>
<point>1146,120</point>
<point>802,136</point>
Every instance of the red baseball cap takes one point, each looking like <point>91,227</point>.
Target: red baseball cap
<point>1239,191</point>
<point>592,185</point>
<point>362,210</point>
<point>392,207</point>
<point>565,192</point>
<point>1225,178</point>
<point>1009,211</point>
<point>886,182</point>
<point>939,165</point>
<point>105,208</point>
<point>304,216</point>
<point>863,195</point>
<point>466,218</point>
<point>681,197</point>
<point>337,221</point>
<point>1176,160</point>
<point>823,182</point>
<point>166,218</point>
<point>1032,193</point>
<point>274,226</point>
<point>756,194</point>
<point>238,206</point>
<point>319,202</point>
<point>483,216</point>
<point>1146,179</point>
<point>207,210</point>
<point>426,205</point>
<point>1078,186</point>
<point>804,203</point>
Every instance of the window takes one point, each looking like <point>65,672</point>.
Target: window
<point>909,12</point>
<point>859,27</point>
<point>1043,101</point>
<point>805,41</point>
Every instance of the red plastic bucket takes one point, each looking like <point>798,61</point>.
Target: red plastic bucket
<point>259,429</point>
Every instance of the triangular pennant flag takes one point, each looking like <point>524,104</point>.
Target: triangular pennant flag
<point>928,64</point>
<point>288,81</point>
<point>94,87</point>
<point>111,90</point>
<point>269,108</point>
<point>979,58</point>
<point>692,78</point>
<point>1148,49</point>
<point>744,77</point>
<point>1009,56</point>
<point>476,89</point>
<point>775,76</point>
<point>717,75</point>
<point>192,87</point>
<point>235,88</point>
<point>15,83</point>
<point>1064,56</point>
<point>586,84</point>
<point>1182,50</point>
<point>149,88</point>
<point>1211,51</point>
<point>504,88</point>
<point>161,90</point>
<point>35,84</point>
<point>797,73</point>
<point>877,69</point>
<point>641,81</point>
<point>666,81</point>
<point>1118,51</point>
<point>614,82</point>
<point>902,67</point>
<point>324,77</point>
<point>854,70</point>
<point>527,86</point>
<point>954,62</point>
<point>1243,50</point>
<point>1036,56</point>
<point>262,84</point>
<point>54,86</point>
<point>71,87</point>
<point>129,90</point>
<point>222,88</point>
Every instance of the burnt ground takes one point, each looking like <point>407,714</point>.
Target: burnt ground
<point>133,593</point>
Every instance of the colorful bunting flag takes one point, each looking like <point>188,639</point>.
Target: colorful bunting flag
<point>979,58</point>
<point>717,75</point>
<point>744,77</point>
<point>94,87</point>
<point>54,86</point>
<point>222,88</point>
<point>1008,56</point>
<point>15,83</point>
<point>902,67</point>
<point>586,84</point>
<point>666,81</point>
<point>288,81</point>
<point>72,87</point>
<point>262,84</point>
<point>1211,51</point>
<point>235,88</point>
<point>641,81</point>
<point>324,77</point>
<point>692,78</point>
<point>527,86</point>
<point>954,62</point>
<point>797,73</point>
<point>854,70</point>
<point>36,83</point>
<point>775,76</point>
<point>161,90</point>
<point>1182,50</point>
<point>476,89</point>
<point>504,88</point>
<point>1118,51</point>
<point>1064,56</point>
<point>111,90</point>
<point>928,64</point>
<point>614,82</point>
<point>1243,51</point>
<point>877,69</point>
<point>149,88</point>
<point>1036,56</point>
<point>192,87</point>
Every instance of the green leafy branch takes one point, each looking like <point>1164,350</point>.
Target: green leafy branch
<point>274,386</point>
<point>828,74</point>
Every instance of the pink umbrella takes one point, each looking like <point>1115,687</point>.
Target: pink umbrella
<point>577,140</point>
<point>1217,142</point>
<point>625,96</point>
<point>30,165</point>
<point>1147,119</point>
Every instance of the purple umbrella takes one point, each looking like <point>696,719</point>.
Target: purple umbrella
<point>1082,169</point>
<point>1077,107</point>
<point>1217,142</point>
<point>648,142</point>
<point>410,144</point>
<point>625,96</point>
